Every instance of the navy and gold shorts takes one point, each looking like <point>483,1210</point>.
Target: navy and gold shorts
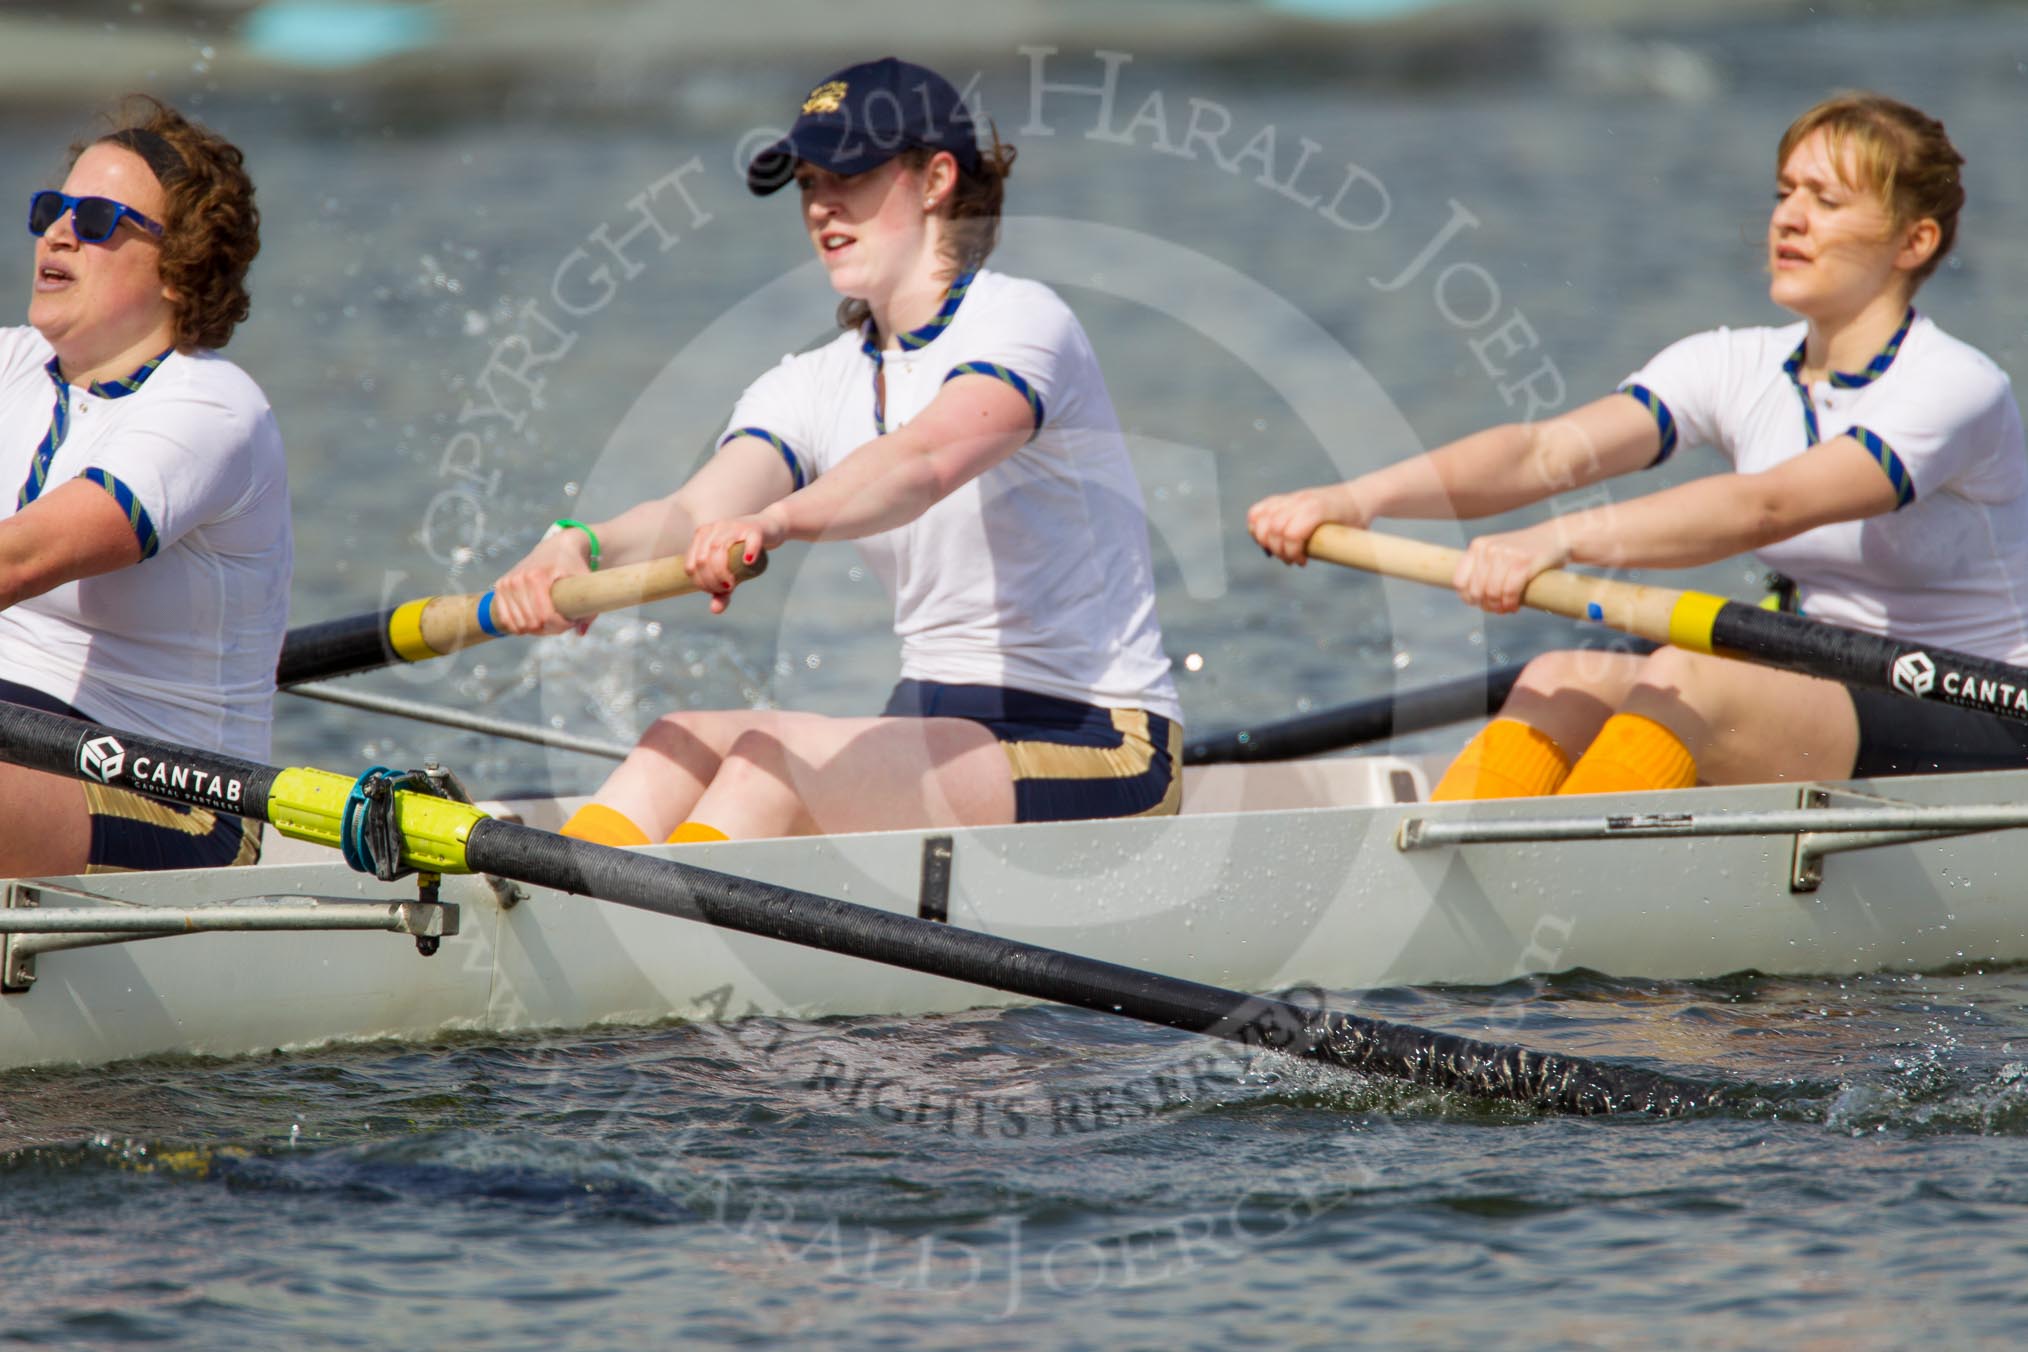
<point>1071,761</point>
<point>131,832</point>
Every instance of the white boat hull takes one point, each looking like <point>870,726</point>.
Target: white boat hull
<point>1255,894</point>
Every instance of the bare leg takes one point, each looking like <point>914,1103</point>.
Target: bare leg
<point>805,773</point>
<point>658,785</point>
<point>1748,724</point>
<point>44,828</point>
<point>1568,696</point>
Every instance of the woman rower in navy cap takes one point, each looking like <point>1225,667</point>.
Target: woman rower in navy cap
<point>959,430</point>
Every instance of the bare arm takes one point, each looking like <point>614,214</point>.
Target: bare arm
<point>743,476</point>
<point>1694,523</point>
<point>75,530</point>
<point>1480,475</point>
<point>975,422</point>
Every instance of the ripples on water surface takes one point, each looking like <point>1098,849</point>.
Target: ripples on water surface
<point>757,1183</point>
<point>629,1188</point>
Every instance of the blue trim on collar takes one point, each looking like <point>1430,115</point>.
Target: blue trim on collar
<point>114,389</point>
<point>946,312</point>
<point>913,340</point>
<point>928,333</point>
<point>126,385</point>
<point>1853,380</point>
<point>59,423</point>
<point>1844,380</point>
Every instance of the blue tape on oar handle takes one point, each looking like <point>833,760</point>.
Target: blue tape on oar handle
<point>1594,611</point>
<point>486,617</point>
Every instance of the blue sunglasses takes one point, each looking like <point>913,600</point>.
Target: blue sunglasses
<point>94,219</point>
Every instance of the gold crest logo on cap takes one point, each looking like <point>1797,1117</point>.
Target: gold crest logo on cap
<point>825,98</point>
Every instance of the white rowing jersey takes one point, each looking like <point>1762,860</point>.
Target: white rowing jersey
<point>183,644</point>
<point>1035,575</point>
<point>1949,566</point>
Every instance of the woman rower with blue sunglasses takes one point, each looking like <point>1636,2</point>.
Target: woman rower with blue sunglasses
<point>94,220</point>
<point>144,507</point>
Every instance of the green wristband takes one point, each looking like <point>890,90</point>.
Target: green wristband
<point>566,523</point>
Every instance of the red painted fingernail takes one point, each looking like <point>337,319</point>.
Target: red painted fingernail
<point>749,558</point>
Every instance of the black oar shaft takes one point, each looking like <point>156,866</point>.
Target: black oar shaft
<point>1376,719</point>
<point>448,836</point>
<point>126,760</point>
<point>1563,1083</point>
<point>1363,721</point>
<point>1939,675</point>
<point>317,652</point>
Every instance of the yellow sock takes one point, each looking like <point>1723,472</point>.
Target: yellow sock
<point>695,833</point>
<point>1632,753</point>
<point>1508,759</point>
<point>602,826</point>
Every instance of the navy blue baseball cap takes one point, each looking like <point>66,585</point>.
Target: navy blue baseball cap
<point>862,117</point>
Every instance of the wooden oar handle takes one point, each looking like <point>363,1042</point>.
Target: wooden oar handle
<point>1627,606</point>
<point>448,623</point>
<point>589,594</point>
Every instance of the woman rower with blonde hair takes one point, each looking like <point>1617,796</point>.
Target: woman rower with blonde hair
<point>1877,462</point>
<point>959,431</point>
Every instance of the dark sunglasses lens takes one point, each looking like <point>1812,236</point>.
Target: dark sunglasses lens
<point>43,210</point>
<point>96,219</point>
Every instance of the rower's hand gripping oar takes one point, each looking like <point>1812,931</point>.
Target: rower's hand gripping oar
<point>434,626</point>
<point>1701,622</point>
<point>387,832</point>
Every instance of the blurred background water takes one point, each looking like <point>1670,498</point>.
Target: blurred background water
<point>458,355</point>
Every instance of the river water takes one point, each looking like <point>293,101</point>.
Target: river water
<point>463,341</point>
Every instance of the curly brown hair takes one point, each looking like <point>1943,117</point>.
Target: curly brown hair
<point>972,215</point>
<point>212,229</point>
